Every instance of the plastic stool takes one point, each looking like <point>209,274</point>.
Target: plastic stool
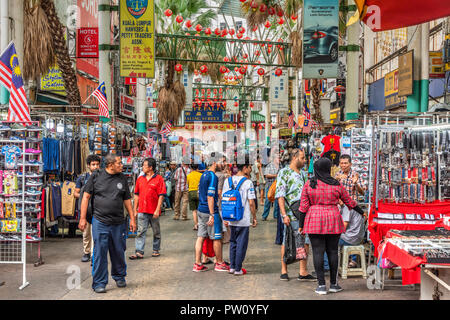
<point>344,270</point>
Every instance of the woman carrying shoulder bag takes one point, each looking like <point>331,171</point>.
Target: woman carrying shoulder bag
<point>320,218</point>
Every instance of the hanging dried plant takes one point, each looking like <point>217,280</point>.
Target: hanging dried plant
<point>39,54</point>
<point>297,51</point>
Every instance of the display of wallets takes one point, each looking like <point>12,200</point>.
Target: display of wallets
<point>411,163</point>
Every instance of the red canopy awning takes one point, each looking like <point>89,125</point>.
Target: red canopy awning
<point>380,15</point>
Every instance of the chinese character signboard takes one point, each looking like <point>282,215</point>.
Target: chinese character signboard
<point>87,43</point>
<point>137,39</point>
<point>203,116</point>
<point>320,39</point>
<point>279,92</point>
<point>186,80</point>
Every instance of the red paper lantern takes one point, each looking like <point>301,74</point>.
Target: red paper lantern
<point>208,31</point>
<point>178,68</point>
<point>224,32</point>
<point>278,72</point>
<point>223,69</point>
<point>254,29</point>
<point>241,30</point>
<point>261,71</point>
<point>280,21</point>
<point>252,105</point>
<point>168,12</point>
<point>215,126</point>
<point>245,56</point>
<point>280,13</point>
<point>236,104</point>
<point>203,69</point>
<point>269,50</point>
<point>267,24</point>
<point>198,27</point>
<point>210,126</point>
<point>226,59</point>
<point>262,8</point>
<point>188,24</point>
<point>253,125</point>
<point>236,69</point>
<point>179,19</point>
<point>231,32</point>
<point>294,17</point>
<point>196,72</point>
<point>242,70</point>
<point>217,31</point>
<point>271,11</point>
<point>242,1</point>
<point>204,127</point>
<point>254,5</point>
<point>246,38</point>
<point>257,53</point>
<point>239,35</point>
<point>235,77</point>
<point>240,77</point>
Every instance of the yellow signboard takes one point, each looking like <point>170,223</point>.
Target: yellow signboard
<point>53,81</point>
<point>391,83</point>
<point>137,39</point>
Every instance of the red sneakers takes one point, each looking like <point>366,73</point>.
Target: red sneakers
<point>240,273</point>
<point>199,268</point>
<point>222,267</point>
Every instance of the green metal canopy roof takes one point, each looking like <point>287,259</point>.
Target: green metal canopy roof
<point>231,8</point>
<point>257,117</point>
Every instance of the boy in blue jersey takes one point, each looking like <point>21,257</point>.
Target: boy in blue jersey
<point>209,220</point>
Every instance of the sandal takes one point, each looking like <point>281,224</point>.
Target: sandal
<point>195,228</point>
<point>156,254</point>
<point>136,257</point>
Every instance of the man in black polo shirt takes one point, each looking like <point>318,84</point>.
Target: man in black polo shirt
<point>110,191</point>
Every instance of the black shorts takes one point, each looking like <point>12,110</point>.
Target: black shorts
<point>193,200</point>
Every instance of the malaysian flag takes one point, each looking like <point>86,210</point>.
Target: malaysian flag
<point>11,79</point>
<point>291,121</point>
<point>100,94</point>
<point>166,129</point>
<point>306,111</point>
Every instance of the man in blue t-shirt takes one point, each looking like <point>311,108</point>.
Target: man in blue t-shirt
<point>209,220</point>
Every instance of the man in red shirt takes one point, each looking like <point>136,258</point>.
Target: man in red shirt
<point>148,198</point>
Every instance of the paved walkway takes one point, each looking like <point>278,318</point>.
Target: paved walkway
<point>170,276</point>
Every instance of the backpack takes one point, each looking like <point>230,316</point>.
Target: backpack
<point>89,212</point>
<point>232,208</point>
<point>271,192</point>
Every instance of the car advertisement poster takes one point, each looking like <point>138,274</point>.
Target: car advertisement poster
<point>320,39</point>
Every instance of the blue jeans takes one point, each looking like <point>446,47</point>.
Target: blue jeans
<point>341,244</point>
<point>143,220</point>
<point>112,239</point>
<point>167,201</point>
<point>267,204</point>
<point>238,246</point>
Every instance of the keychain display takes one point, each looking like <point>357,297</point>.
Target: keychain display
<point>360,154</point>
<point>408,166</point>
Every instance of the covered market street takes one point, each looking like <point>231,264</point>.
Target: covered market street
<point>170,276</point>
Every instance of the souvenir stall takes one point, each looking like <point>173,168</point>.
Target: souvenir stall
<point>410,185</point>
<point>21,172</point>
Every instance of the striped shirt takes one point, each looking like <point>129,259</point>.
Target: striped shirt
<point>181,178</point>
<point>270,169</point>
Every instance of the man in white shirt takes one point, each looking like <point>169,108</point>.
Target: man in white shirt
<point>240,229</point>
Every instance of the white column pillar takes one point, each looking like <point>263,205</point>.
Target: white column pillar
<point>141,105</point>
<point>268,119</point>
<point>4,40</point>
<point>351,97</point>
<point>104,39</point>
<point>425,68</point>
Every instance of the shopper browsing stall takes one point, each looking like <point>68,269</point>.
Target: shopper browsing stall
<point>321,220</point>
<point>148,199</point>
<point>193,179</point>
<point>93,163</point>
<point>110,192</point>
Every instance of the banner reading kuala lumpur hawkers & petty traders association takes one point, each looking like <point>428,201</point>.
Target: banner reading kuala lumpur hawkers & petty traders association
<point>137,39</point>
<point>320,39</point>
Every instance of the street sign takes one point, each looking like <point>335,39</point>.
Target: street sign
<point>137,39</point>
<point>278,93</point>
<point>127,108</point>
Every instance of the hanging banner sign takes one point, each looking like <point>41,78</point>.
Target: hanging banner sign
<point>152,116</point>
<point>278,93</point>
<point>87,43</point>
<point>436,65</point>
<point>53,81</point>
<point>391,97</point>
<point>186,80</point>
<point>127,108</point>
<point>320,39</point>
<point>137,39</point>
<point>129,81</point>
<point>405,73</point>
<point>203,116</point>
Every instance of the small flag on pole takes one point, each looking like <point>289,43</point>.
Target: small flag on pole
<point>291,120</point>
<point>11,79</point>
<point>306,111</point>
<point>100,94</point>
<point>166,129</point>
